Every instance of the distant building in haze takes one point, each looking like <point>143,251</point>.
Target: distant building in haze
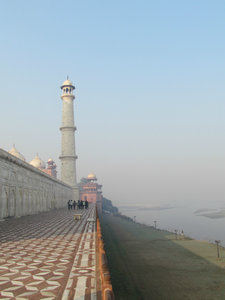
<point>51,168</point>
<point>90,190</point>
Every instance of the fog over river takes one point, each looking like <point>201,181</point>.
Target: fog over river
<point>199,223</point>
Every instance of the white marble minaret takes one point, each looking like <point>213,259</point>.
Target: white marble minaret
<point>68,156</point>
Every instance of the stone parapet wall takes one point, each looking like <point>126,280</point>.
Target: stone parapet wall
<point>27,190</point>
<point>103,270</point>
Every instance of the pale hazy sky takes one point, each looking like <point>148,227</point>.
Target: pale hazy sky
<point>150,91</point>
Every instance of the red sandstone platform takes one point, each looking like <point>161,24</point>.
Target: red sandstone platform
<point>49,256</point>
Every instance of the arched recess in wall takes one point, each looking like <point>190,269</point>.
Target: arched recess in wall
<point>6,189</point>
<point>47,200</point>
<point>2,204</point>
<point>37,208</point>
<point>44,200</point>
<point>15,201</point>
<point>35,202</point>
<point>40,201</point>
<point>54,200</point>
<point>42,205</point>
<point>51,200</point>
<point>12,202</point>
<point>29,202</point>
<point>4,201</point>
<point>21,210</point>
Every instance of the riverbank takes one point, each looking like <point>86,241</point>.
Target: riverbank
<point>192,220</point>
<point>146,263</point>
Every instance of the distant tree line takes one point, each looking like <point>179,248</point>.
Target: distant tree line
<point>107,206</point>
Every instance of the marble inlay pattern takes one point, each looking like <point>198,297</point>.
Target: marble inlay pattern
<point>48,256</point>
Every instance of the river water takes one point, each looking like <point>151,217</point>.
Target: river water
<point>180,218</point>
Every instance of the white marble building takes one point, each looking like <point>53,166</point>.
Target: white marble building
<point>25,189</point>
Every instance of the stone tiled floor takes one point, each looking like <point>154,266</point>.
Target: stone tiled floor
<point>48,256</point>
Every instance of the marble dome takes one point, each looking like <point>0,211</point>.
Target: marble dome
<point>37,162</point>
<point>91,176</point>
<point>16,153</point>
<point>67,82</point>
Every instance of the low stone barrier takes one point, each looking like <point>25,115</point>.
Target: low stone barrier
<point>106,286</point>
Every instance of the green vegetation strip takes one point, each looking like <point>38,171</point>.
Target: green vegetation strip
<point>151,264</point>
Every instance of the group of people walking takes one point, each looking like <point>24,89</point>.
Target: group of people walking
<point>80,204</point>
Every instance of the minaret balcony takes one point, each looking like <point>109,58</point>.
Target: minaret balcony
<point>68,156</point>
<point>68,128</point>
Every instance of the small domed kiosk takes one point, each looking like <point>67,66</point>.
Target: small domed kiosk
<point>37,162</point>
<point>16,153</point>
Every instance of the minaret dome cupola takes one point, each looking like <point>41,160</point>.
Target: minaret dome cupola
<point>67,87</point>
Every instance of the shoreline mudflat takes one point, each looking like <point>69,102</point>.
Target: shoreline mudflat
<point>146,263</point>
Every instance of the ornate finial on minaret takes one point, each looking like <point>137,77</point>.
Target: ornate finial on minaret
<point>67,77</point>
<point>68,155</point>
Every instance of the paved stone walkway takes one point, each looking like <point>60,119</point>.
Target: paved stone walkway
<point>48,256</point>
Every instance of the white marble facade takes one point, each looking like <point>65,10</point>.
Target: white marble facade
<point>26,190</point>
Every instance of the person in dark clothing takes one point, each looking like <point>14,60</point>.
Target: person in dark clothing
<point>86,204</point>
<point>74,204</point>
<point>78,204</point>
<point>68,204</point>
<point>81,204</point>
